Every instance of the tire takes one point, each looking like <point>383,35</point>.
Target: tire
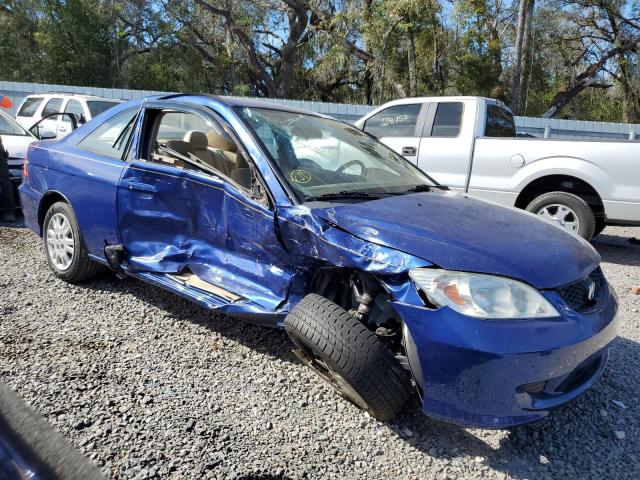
<point>75,266</point>
<point>579,210</point>
<point>348,356</point>
<point>600,226</point>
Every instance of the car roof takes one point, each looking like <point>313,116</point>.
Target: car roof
<point>208,99</point>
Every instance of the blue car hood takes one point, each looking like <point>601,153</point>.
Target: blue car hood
<point>460,233</point>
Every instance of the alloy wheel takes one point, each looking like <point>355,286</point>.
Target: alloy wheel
<point>561,215</point>
<point>60,241</point>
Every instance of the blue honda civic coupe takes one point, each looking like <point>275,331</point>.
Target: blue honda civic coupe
<point>386,282</point>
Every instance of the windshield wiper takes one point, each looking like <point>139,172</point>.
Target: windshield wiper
<point>426,188</point>
<point>343,194</point>
<point>420,188</point>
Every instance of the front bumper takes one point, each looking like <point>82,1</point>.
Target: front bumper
<point>500,373</point>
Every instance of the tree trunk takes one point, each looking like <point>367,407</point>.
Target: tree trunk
<point>517,61</point>
<point>527,56</point>
<point>400,91</point>
<point>411,57</point>
<point>368,74</point>
<point>628,101</point>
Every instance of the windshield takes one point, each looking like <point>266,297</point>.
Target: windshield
<point>8,126</point>
<point>319,157</point>
<point>96,107</point>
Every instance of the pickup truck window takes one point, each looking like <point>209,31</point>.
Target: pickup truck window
<point>110,138</point>
<point>396,121</point>
<point>96,107</point>
<point>447,120</point>
<point>499,123</point>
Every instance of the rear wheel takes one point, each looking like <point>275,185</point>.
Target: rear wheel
<point>600,226</point>
<point>64,246</point>
<point>349,357</point>
<point>567,211</point>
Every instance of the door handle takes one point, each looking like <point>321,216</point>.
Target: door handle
<point>142,187</point>
<point>409,151</point>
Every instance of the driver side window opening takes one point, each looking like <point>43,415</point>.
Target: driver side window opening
<point>186,140</point>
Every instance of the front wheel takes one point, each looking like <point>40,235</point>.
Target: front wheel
<point>344,353</point>
<point>64,246</point>
<point>566,210</point>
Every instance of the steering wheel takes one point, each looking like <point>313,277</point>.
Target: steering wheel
<point>350,163</point>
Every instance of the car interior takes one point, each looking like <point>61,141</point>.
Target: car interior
<point>213,152</point>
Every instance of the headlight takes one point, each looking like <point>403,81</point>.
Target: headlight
<point>482,296</point>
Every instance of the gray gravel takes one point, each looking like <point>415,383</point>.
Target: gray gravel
<point>148,385</point>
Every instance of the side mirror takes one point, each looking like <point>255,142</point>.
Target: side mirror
<point>46,135</point>
<point>41,134</point>
<point>81,120</point>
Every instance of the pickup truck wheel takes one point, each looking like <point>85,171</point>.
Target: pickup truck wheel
<point>64,246</point>
<point>344,353</point>
<point>600,226</point>
<point>566,210</point>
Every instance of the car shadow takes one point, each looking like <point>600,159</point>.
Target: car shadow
<point>616,249</point>
<point>18,224</point>
<point>272,342</point>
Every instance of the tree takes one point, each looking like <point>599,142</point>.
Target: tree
<point>607,36</point>
<point>522,54</point>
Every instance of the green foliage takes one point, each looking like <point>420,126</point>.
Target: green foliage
<point>348,50</point>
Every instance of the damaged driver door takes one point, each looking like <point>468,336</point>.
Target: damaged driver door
<point>192,211</point>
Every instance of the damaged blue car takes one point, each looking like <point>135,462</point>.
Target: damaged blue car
<point>387,282</point>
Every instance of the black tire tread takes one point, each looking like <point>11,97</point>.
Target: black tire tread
<point>82,268</point>
<point>355,352</point>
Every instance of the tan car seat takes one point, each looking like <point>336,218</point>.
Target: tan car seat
<point>224,145</point>
<point>199,143</point>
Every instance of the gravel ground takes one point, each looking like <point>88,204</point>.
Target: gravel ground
<point>148,385</point>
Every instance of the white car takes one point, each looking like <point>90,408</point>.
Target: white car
<point>16,141</point>
<point>35,107</point>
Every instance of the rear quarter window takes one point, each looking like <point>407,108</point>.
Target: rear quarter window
<point>29,107</point>
<point>111,137</point>
<point>500,123</point>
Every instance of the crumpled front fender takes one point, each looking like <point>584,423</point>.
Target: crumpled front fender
<point>315,243</point>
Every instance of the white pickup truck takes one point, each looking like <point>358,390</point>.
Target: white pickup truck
<point>470,144</point>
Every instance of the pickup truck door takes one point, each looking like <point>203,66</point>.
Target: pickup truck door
<point>183,211</point>
<point>399,127</point>
<point>447,142</point>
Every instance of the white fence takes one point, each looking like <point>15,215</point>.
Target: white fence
<point>540,127</point>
